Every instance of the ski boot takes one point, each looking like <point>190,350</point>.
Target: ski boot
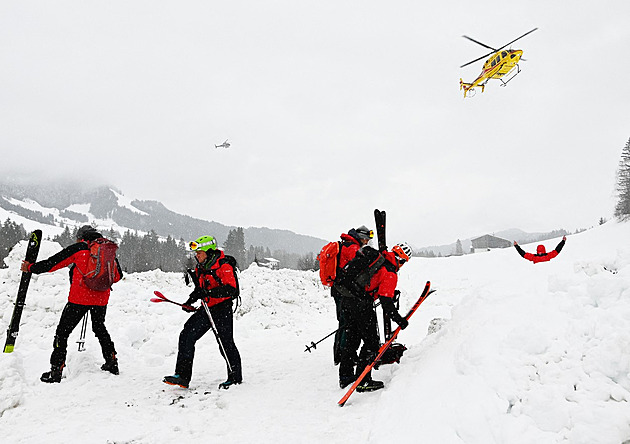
<point>176,380</point>
<point>111,365</point>
<point>229,383</point>
<point>54,375</point>
<point>369,385</point>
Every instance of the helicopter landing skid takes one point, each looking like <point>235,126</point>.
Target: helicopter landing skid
<point>505,82</point>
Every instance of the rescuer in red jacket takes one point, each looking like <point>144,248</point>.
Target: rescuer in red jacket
<point>81,299</point>
<point>350,244</point>
<point>216,285</point>
<point>541,254</point>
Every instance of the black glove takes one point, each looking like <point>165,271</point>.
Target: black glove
<point>197,294</point>
<point>188,308</point>
<point>388,307</point>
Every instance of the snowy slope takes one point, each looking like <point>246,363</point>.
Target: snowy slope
<point>526,354</point>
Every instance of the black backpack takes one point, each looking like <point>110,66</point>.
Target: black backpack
<point>358,273</point>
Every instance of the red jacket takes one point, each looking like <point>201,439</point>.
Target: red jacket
<point>349,248</point>
<point>541,254</point>
<point>217,279</point>
<point>384,281</point>
<point>76,256</point>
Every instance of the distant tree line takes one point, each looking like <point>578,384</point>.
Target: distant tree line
<point>137,253</point>
<point>234,245</point>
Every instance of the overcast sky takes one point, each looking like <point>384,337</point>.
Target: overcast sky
<point>333,108</point>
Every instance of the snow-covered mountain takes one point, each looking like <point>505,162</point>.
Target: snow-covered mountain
<point>51,206</point>
<point>525,354</point>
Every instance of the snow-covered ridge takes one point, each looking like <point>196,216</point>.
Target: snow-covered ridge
<point>525,354</point>
<point>125,202</point>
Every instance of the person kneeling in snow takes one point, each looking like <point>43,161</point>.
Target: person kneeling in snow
<point>216,286</point>
<point>541,254</point>
<point>80,300</point>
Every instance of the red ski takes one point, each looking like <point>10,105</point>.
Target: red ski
<point>425,293</point>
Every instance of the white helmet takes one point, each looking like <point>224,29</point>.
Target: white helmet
<point>403,251</point>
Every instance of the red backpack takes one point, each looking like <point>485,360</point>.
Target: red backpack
<point>328,259</point>
<point>102,270</point>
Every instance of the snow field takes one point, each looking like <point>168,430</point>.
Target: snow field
<point>523,353</point>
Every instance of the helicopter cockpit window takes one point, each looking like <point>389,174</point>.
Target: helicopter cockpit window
<point>504,53</point>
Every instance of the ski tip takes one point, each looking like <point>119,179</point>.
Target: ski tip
<point>8,348</point>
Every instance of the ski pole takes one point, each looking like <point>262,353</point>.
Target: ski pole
<point>81,340</point>
<point>313,345</point>
<point>216,334</point>
<point>162,298</point>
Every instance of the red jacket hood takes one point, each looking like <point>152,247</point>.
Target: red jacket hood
<point>541,249</point>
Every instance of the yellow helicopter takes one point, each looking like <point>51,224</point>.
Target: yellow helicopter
<point>501,63</point>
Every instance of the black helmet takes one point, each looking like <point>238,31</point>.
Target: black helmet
<point>88,233</point>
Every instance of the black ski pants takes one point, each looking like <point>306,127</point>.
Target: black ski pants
<point>197,326</point>
<point>358,324</point>
<point>70,318</point>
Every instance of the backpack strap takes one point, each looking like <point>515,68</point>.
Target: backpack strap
<point>365,277</point>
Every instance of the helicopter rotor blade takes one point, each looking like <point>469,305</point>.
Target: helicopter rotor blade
<point>518,38</point>
<point>476,60</point>
<point>479,43</point>
<point>494,50</point>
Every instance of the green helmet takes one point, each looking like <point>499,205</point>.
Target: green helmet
<point>204,243</point>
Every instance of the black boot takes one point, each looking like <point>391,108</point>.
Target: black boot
<point>111,365</point>
<point>176,380</point>
<point>54,375</point>
<point>369,385</point>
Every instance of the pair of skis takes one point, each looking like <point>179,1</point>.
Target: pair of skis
<point>379,220</point>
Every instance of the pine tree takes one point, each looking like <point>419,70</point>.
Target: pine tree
<point>622,208</point>
<point>234,245</point>
<point>10,234</point>
<point>459,250</point>
<point>65,238</point>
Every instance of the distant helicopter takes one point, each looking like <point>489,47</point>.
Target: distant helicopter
<point>223,145</point>
<point>501,63</point>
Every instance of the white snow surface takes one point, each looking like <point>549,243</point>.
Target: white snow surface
<point>525,354</point>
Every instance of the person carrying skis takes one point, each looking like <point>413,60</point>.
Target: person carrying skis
<point>541,254</point>
<point>215,286</point>
<point>359,317</point>
<point>81,299</point>
<point>350,245</point>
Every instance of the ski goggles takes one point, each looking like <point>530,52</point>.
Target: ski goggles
<point>366,234</point>
<point>194,246</point>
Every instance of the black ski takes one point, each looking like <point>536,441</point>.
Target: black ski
<point>379,220</point>
<point>31,256</point>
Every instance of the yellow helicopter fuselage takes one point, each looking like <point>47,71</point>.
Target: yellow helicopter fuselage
<point>500,64</point>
